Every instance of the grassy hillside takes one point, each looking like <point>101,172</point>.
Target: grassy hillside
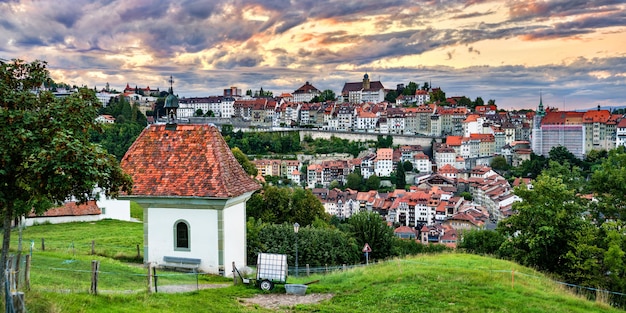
<point>426,283</point>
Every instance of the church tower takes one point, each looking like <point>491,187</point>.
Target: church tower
<point>540,111</point>
<point>366,82</point>
<point>171,105</point>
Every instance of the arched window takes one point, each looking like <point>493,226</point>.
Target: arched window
<point>181,235</point>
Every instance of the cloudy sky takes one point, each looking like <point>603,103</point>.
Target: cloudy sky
<point>574,51</point>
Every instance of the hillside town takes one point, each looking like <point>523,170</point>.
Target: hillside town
<point>470,136</point>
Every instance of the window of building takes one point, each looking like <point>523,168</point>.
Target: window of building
<point>181,236</point>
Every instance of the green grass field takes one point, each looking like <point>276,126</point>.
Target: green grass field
<point>451,282</point>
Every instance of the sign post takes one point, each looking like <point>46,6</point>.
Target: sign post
<point>367,250</point>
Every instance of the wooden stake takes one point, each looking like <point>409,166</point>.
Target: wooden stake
<point>95,267</point>
<point>512,278</point>
<point>27,273</point>
<point>93,247</point>
<point>150,289</point>
<point>43,244</point>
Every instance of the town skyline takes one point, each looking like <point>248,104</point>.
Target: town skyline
<point>569,51</point>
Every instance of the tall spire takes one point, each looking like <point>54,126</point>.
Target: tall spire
<point>171,81</point>
<point>540,110</point>
<point>171,106</point>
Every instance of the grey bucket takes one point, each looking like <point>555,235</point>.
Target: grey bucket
<point>296,289</point>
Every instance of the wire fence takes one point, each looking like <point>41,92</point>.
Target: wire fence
<point>78,275</point>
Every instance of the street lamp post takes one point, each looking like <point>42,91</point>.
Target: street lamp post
<point>296,227</point>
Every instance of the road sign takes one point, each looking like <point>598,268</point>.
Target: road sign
<point>367,248</point>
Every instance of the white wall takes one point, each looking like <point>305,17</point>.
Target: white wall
<point>203,235</point>
<point>114,209</point>
<point>234,237</point>
<point>59,219</point>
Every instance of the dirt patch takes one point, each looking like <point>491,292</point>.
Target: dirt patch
<point>275,300</point>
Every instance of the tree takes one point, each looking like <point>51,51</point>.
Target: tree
<point>354,181</point>
<point>466,195</point>
<point>243,160</point>
<point>544,230</point>
<point>306,207</point>
<point>479,102</point>
<point>400,176</point>
<point>499,163</point>
<point>481,241</point>
<point>198,112</point>
<point>370,228</point>
<point>426,86</point>
<point>410,89</point>
<point>391,96</point>
<point>438,95</point>
<point>609,186</point>
<point>327,95</point>
<point>408,166</point>
<point>372,183</point>
<point>45,151</point>
<point>491,102</point>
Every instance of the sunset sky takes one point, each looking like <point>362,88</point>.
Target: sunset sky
<point>573,51</point>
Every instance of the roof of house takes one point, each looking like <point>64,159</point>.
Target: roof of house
<point>71,208</point>
<point>189,161</point>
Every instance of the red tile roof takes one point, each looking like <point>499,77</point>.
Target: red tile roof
<point>72,209</point>
<point>190,161</point>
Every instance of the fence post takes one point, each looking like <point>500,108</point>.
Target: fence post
<point>43,244</point>
<point>343,267</point>
<point>93,247</point>
<point>150,289</point>
<point>138,254</point>
<point>18,302</point>
<point>234,275</point>
<point>308,270</point>
<point>27,273</point>
<point>95,266</point>
<point>326,266</point>
<point>156,279</point>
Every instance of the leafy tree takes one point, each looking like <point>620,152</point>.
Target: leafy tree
<point>306,207</point>
<point>198,112</point>
<point>327,95</point>
<point>481,241</point>
<point>530,168</point>
<point>317,246</point>
<point>438,95</point>
<point>426,86</point>
<point>243,160</point>
<point>408,166</point>
<point>354,181</point>
<point>541,234</point>
<point>561,154</point>
<point>372,183</point>
<point>282,204</point>
<point>466,195</point>
<point>400,176</point>
<point>571,176</point>
<point>609,186</point>
<point>465,102</point>
<point>45,150</point>
<point>370,228</point>
<point>479,102</point>
<point>491,102</point>
<point>384,141</point>
<point>499,163</point>
<point>391,96</point>
<point>410,89</point>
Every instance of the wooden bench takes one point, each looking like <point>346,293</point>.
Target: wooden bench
<point>181,263</point>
